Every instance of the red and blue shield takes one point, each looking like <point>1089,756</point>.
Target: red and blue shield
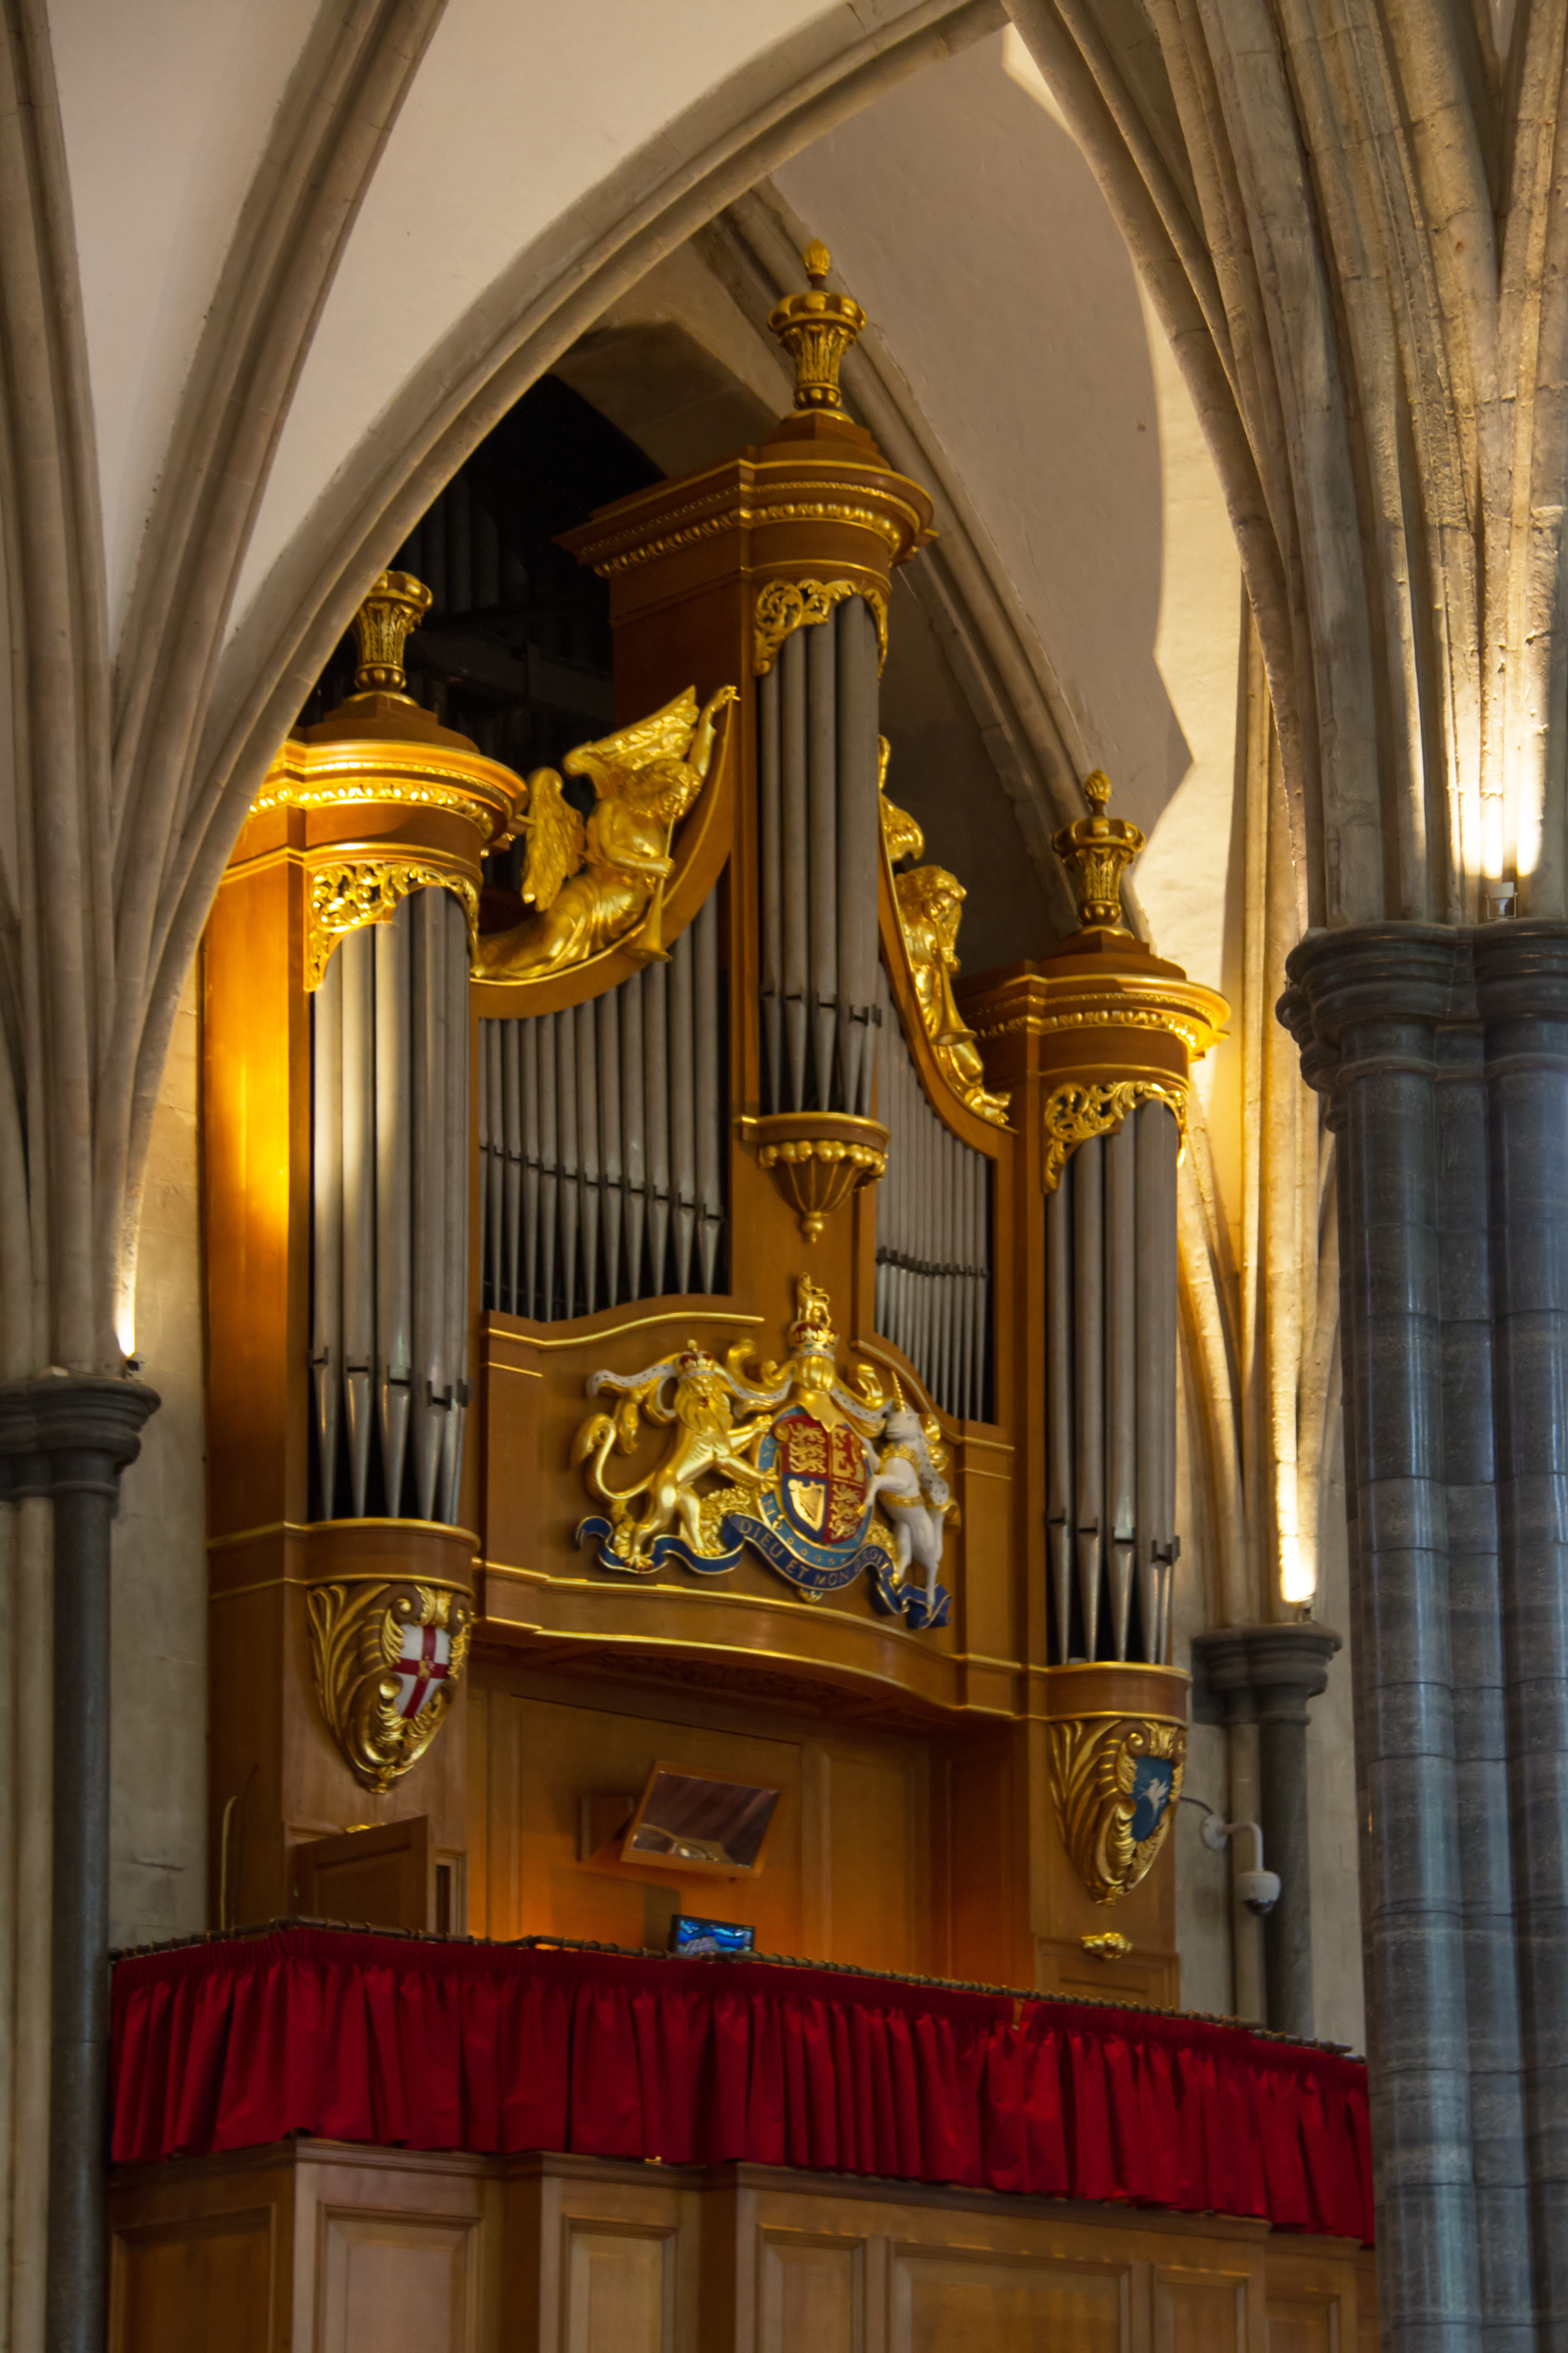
<point>822,1478</point>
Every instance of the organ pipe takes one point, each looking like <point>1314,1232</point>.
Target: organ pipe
<point>1105,1031</point>
<point>390,1226</point>
<point>932,1288</point>
<point>1110,1391</point>
<point>622,1195</point>
<point>817,717</point>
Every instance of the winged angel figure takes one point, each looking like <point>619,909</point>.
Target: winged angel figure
<point>592,884</point>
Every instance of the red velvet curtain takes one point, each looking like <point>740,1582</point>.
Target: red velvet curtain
<point>361,2038</point>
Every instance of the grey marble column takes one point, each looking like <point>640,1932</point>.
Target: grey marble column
<point>1266,1674</point>
<point>1445,1055</point>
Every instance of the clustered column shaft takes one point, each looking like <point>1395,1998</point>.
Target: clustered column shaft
<point>1445,1054</point>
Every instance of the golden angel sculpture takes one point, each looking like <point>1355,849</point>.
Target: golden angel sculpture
<point>930,901</point>
<point>595,883</point>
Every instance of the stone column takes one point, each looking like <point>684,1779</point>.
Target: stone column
<point>69,1437</point>
<point>1445,1055</point>
<point>1266,1675</point>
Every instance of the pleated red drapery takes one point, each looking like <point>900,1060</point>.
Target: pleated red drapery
<point>496,2048</point>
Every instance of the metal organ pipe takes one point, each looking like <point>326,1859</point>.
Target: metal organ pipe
<point>327,1223</point>
<point>860,850</point>
<point>358,999</point>
<point>933,1246</point>
<point>820,846</point>
<point>682,1111</point>
<point>390,1162</point>
<point>1121,1373</point>
<point>709,1036</point>
<point>771,793</point>
<point>430,1398</point>
<point>621,1139</point>
<point>394,1193</point>
<point>1110,1391</point>
<point>793,880</point>
<point>821,857</point>
<point>607,1009</point>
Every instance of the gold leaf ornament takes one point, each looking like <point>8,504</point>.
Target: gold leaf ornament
<point>786,606</point>
<point>387,1659</point>
<point>1074,1113</point>
<point>1110,1776</point>
<point>347,893</point>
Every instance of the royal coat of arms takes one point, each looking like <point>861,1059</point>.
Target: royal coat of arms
<point>824,1480</point>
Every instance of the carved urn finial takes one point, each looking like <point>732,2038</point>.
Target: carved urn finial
<point>1096,851</point>
<point>394,610</point>
<point>816,329</point>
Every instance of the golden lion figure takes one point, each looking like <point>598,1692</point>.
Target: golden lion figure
<point>592,884</point>
<point>708,1438</point>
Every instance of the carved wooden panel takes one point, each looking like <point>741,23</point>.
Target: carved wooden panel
<point>811,2294</point>
<point>390,2279</point>
<point>1305,2324</point>
<point>1200,2311</point>
<point>184,2285</point>
<point>618,2288</point>
<point>958,2296</point>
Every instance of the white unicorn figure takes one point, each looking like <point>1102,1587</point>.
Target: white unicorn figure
<point>908,1486</point>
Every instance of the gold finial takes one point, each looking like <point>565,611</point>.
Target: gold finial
<point>396,605</point>
<point>816,329</point>
<point>1096,851</point>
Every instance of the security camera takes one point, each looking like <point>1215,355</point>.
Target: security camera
<point>1259,1889</point>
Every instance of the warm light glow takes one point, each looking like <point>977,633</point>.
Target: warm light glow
<point>1298,1559</point>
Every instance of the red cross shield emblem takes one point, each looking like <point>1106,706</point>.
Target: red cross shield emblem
<point>423,1665</point>
<point>822,1477</point>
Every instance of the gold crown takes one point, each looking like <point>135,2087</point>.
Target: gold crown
<point>813,1325</point>
<point>1096,851</point>
<point>394,610</point>
<point>816,329</point>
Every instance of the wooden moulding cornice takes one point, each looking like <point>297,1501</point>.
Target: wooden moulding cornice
<point>323,1552</point>
<point>1079,1017</point>
<point>617,1623</point>
<point>784,507</point>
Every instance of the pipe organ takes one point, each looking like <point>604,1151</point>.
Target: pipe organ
<point>692,1319</point>
<point>602,1135</point>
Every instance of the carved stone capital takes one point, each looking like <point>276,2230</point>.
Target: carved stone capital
<point>67,1432</point>
<point>1392,995</point>
<point>1268,1674</point>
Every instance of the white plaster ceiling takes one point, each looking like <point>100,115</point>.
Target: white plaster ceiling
<point>165,109</point>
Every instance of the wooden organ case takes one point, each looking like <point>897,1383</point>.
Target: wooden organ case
<point>666,1329</point>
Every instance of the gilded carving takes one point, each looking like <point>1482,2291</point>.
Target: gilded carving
<point>387,1659</point>
<point>1096,851</point>
<point>1109,1945</point>
<point>786,606</point>
<point>1075,1112</point>
<point>813,1469</point>
<point>930,903</point>
<point>351,892</point>
<point>1115,1782</point>
<point>394,610</point>
<point>601,882</point>
<point>818,1159</point>
<point>816,329</point>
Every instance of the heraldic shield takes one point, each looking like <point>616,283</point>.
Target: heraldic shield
<point>823,1481</point>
